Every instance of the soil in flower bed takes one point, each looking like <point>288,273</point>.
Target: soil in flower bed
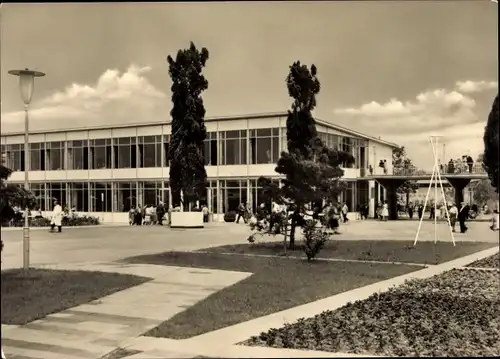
<point>488,262</point>
<point>453,314</point>
<point>425,252</point>
<point>35,293</point>
<point>277,284</point>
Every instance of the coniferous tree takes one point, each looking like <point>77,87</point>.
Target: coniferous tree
<point>311,171</point>
<point>491,140</point>
<point>186,154</point>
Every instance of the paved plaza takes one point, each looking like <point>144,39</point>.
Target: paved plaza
<point>94,329</point>
<point>111,243</point>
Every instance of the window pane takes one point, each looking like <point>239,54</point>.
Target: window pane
<point>232,152</point>
<point>124,158</point>
<point>158,150</point>
<point>243,151</point>
<point>206,145</point>
<point>233,199</point>
<point>35,164</point>
<point>275,150</point>
<point>149,155</point>
<point>126,196</point>
<point>253,151</point>
<point>232,134</point>
<point>99,158</point>
<point>264,132</point>
<point>79,197</point>
<point>55,159</point>
<point>264,150</point>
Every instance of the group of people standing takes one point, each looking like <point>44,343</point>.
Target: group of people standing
<point>156,215</point>
<point>461,165</point>
<point>147,215</point>
<point>455,214</point>
<point>329,216</point>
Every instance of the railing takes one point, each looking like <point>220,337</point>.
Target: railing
<point>445,169</point>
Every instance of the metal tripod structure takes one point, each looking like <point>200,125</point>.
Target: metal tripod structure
<point>435,179</point>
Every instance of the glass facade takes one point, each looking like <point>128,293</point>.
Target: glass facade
<point>222,148</point>
<point>356,147</point>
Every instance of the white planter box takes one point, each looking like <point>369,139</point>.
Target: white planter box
<point>186,220</point>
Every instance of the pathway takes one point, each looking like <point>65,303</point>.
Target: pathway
<point>92,330</point>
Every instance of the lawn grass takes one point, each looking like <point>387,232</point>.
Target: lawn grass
<point>277,284</point>
<point>425,252</point>
<point>452,314</point>
<point>488,262</point>
<point>35,293</point>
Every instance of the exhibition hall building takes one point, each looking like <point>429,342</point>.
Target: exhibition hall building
<point>103,171</point>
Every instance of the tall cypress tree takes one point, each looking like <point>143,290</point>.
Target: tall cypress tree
<point>491,145</point>
<point>186,154</point>
<point>311,170</point>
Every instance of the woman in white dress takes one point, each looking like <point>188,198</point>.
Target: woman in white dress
<point>385,211</point>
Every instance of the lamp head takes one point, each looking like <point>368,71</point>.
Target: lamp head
<point>26,83</point>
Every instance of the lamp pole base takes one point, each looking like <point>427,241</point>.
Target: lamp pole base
<point>26,248</point>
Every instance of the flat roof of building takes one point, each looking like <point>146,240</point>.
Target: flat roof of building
<point>215,118</point>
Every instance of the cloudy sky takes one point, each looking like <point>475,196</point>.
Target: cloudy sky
<point>400,70</point>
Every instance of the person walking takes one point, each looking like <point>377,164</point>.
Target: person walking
<point>453,212</point>
<point>420,211</point>
<point>385,211</point>
<point>131,216</point>
<point>160,213</point>
<point>345,210</point>
<point>138,216</point>
<point>442,214</point>
<point>56,219</point>
<point>410,210</point>
<point>241,213</point>
<point>333,219</point>
<point>462,217</point>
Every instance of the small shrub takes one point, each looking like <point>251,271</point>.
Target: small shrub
<point>262,226</point>
<point>314,239</point>
<point>70,221</point>
<point>230,216</point>
<point>73,221</point>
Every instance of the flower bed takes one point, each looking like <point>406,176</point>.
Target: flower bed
<point>66,222</point>
<point>453,314</point>
<point>489,262</point>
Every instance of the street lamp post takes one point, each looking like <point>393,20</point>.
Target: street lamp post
<point>26,85</point>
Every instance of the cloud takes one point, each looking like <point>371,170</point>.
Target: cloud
<point>115,98</point>
<point>431,110</point>
<point>451,113</point>
<point>475,86</point>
